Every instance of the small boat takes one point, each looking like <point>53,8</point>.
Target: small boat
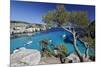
<point>28,43</point>
<point>64,36</point>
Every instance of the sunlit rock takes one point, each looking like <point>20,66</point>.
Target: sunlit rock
<point>24,57</point>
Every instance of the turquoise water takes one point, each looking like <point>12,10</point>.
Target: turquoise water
<point>54,34</point>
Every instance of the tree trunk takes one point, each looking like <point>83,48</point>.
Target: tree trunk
<point>74,44</point>
<point>87,50</point>
<point>76,48</point>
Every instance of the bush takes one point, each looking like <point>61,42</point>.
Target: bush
<point>62,50</point>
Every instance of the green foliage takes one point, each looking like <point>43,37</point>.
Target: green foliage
<point>44,43</point>
<point>47,53</point>
<point>79,18</point>
<point>48,18</point>
<point>90,41</point>
<point>62,50</point>
<point>60,16</point>
<point>91,27</point>
<point>57,16</point>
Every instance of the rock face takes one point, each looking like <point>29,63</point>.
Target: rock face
<point>25,57</point>
<point>73,57</point>
<point>49,60</point>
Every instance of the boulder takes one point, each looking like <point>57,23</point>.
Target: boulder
<point>73,57</point>
<point>25,57</point>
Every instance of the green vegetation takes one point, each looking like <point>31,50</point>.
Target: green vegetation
<point>90,41</point>
<point>56,17</point>
<point>60,16</point>
<point>46,52</point>
<point>91,35</point>
<point>62,50</point>
<point>49,51</point>
<point>92,26</point>
<point>91,29</point>
<point>79,18</point>
<point>44,44</point>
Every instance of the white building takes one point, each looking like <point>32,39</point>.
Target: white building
<point>18,27</point>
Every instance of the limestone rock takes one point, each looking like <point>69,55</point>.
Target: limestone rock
<point>25,57</point>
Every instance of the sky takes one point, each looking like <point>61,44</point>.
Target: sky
<point>32,12</point>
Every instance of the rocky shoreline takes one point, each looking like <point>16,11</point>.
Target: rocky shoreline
<point>30,57</point>
<point>24,57</point>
